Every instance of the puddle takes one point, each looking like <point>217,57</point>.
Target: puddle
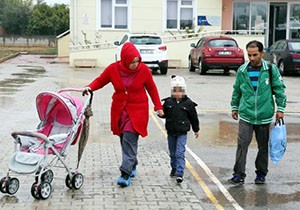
<point>29,74</point>
<point>224,133</point>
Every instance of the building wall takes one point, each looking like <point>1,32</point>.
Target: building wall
<point>227,11</point>
<point>145,16</point>
<point>63,44</point>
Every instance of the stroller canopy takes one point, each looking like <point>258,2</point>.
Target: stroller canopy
<point>58,107</point>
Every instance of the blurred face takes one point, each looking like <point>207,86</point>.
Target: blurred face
<point>134,63</point>
<point>178,93</point>
<point>255,56</point>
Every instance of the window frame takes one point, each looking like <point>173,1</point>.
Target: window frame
<point>180,6</point>
<point>114,6</point>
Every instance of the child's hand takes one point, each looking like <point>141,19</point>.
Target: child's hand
<point>160,113</point>
<point>197,134</point>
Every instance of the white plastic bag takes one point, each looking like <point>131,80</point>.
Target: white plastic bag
<point>278,141</point>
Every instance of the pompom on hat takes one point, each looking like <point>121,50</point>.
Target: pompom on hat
<point>178,81</point>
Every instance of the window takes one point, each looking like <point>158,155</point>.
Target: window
<point>294,46</point>
<point>250,16</point>
<point>222,43</point>
<point>180,14</point>
<point>114,14</point>
<point>145,40</point>
<point>295,21</point>
<point>200,43</point>
<point>241,14</point>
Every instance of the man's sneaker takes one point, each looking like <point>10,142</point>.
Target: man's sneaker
<point>237,180</point>
<point>124,181</point>
<point>172,174</point>
<point>260,179</point>
<point>133,173</point>
<point>179,179</point>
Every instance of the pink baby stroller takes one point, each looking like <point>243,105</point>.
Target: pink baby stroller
<point>64,120</point>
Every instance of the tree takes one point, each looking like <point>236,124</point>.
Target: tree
<point>14,15</point>
<point>60,18</point>
<point>46,20</point>
<point>40,20</point>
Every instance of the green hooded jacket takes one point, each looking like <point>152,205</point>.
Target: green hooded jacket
<point>257,107</point>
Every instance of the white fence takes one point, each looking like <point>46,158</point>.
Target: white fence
<point>178,46</point>
<point>28,41</point>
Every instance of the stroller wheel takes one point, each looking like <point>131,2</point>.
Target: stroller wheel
<point>68,181</point>
<point>44,190</point>
<point>3,183</point>
<point>77,181</point>
<point>12,186</point>
<point>34,191</point>
<point>47,176</point>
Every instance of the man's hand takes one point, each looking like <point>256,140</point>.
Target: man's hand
<point>235,114</point>
<point>160,113</point>
<point>279,115</point>
<point>197,134</point>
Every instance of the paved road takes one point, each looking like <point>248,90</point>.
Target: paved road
<point>210,158</point>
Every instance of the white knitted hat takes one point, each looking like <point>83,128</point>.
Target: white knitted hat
<point>178,81</point>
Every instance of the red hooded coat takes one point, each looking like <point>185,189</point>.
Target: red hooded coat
<point>134,99</point>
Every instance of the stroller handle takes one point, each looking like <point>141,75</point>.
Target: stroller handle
<point>29,134</point>
<point>78,90</point>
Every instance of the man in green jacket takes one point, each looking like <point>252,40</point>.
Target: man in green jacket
<point>253,103</point>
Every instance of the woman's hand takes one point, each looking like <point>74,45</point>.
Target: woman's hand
<point>160,113</point>
<point>85,91</point>
<point>197,134</point>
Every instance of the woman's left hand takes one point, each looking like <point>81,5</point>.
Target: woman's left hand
<point>160,113</point>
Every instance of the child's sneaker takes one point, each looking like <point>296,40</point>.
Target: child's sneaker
<point>172,174</point>
<point>133,173</point>
<point>179,179</point>
<point>237,180</point>
<point>124,180</point>
<point>260,179</point>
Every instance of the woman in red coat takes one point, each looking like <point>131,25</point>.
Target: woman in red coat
<point>129,110</point>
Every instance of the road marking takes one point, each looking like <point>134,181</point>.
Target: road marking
<point>205,188</point>
<point>227,195</point>
<point>225,192</point>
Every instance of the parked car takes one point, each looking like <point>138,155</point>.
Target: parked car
<point>215,52</point>
<point>152,50</point>
<point>285,54</point>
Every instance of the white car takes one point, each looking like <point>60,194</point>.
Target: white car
<point>151,48</point>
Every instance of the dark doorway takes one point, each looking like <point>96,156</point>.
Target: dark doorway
<point>277,23</point>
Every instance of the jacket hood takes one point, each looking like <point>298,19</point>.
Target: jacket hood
<point>128,53</point>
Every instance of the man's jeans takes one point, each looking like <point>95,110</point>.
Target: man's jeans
<point>177,150</point>
<point>129,144</point>
<point>244,139</point>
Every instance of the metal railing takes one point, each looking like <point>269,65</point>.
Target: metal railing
<point>170,38</point>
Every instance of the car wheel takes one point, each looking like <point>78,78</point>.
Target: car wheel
<point>163,70</point>
<point>202,68</point>
<point>191,66</point>
<point>281,67</point>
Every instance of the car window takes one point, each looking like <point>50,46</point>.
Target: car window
<point>145,40</point>
<point>222,43</point>
<point>200,43</point>
<point>294,46</point>
<point>273,46</point>
<point>124,40</point>
<point>281,45</point>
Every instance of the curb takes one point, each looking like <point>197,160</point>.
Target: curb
<point>9,57</point>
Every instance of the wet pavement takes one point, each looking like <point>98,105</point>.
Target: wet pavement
<point>22,78</point>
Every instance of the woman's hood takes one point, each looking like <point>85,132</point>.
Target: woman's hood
<point>128,53</point>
